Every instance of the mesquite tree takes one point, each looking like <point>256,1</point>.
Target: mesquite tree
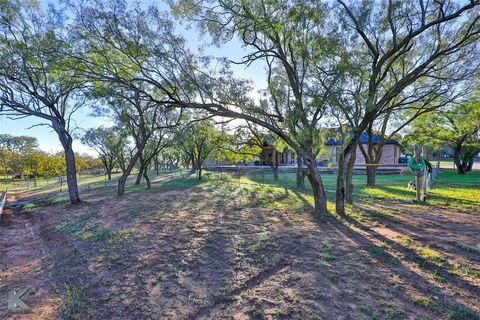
<point>456,126</point>
<point>287,37</point>
<point>36,78</point>
<point>159,140</point>
<point>397,45</point>
<point>199,140</point>
<point>107,142</point>
<point>142,119</point>
<point>131,46</point>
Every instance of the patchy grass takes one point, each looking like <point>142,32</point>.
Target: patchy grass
<point>432,256</point>
<point>423,301</point>
<point>76,224</point>
<point>74,306</point>
<point>29,207</point>
<point>114,257</point>
<point>462,268</point>
<point>250,248</point>
<point>326,256</point>
<point>461,313</point>
<point>87,235</point>
<point>450,188</point>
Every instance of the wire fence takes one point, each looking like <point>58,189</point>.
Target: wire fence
<point>285,177</point>
<point>58,182</point>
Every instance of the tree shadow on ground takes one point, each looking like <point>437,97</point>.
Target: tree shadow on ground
<point>449,302</point>
<point>432,229</point>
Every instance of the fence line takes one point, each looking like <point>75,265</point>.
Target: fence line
<point>238,174</point>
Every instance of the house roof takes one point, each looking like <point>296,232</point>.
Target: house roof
<point>363,139</point>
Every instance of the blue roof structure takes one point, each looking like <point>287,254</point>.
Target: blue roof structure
<point>363,139</point>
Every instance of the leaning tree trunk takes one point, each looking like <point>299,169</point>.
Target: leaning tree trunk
<point>123,179</point>
<point>147,179</point>
<point>139,175</point>
<point>300,174</point>
<point>72,176</point>
<point>200,172</point>
<point>340,190</point>
<point>317,187</point>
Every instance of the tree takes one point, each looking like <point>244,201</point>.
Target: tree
<point>130,47</point>
<point>16,153</point>
<point>299,45</point>
<point>168,157</point>
<point>139,118</point>
<point>106,142</point>
<point>287,37</point>
<point>243,145</point>
<point>36,79</point>
<point>399,52</point>
<point>457,126</point>
<point>161,139</point>
<point>200,140</point>
<point>143,119</point>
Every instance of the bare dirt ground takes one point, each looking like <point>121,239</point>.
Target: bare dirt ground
<point>188,254</point>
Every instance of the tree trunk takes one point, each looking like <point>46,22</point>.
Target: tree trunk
<point>109,174</point>
<point>72,176</point>
<point>147,179</point>
<point>317,187</point>
<point>300,174</point>
<point>66,141</point>
<point>139,175</point>
<point>275,171</point>
<point>457,160</point>
<point>349,174</point>
<point>371,175</point>
<point>200,172</point>
<point>470,164</point>
<point>123,179</point>
<point>274,165</point>
<point>340,190</point>
<point>194,168</point>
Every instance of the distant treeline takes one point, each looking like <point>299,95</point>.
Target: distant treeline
<point>20,157</point>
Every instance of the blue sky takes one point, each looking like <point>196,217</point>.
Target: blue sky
<point>48,139</point>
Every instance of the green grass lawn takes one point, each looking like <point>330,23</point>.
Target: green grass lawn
<point>449,189</point>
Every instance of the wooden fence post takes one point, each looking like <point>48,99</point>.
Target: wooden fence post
<point>417,178</point>
<point>425,176</point>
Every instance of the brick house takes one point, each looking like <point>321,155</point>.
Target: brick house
<point>390,153</point>
<point>269,155</point>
